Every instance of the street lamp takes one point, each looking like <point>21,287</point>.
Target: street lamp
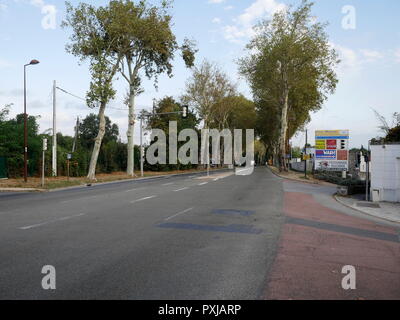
<point>33,62</point>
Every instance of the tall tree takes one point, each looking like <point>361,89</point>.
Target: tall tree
<point>91,41</point>
<point>206,90</point>
<point>148,45</point>
<point>291,68</point>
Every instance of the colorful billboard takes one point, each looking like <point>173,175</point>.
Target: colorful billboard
<point>332,150</point>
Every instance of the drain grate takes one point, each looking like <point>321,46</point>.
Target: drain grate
<point>368,205</point>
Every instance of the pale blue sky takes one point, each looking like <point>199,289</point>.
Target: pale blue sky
<point>368,74</point>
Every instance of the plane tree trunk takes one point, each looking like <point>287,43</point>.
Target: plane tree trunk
<point>97,144</point>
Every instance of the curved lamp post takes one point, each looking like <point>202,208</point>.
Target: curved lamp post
<point>33,62</point>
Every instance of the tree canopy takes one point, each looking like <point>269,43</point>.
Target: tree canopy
<point>291,70</point>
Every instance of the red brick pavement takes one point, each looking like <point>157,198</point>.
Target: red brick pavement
<point>310,258</point>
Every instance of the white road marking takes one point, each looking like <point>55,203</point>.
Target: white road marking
<point>135,189</point>
<point>66,201</point>
<point>178,214</point>
<point>202,184</point>
<point>85,198</point>
<point>245,169</point>
<point>181,189</point>
<point>167,184</point>
<point>142,199</point>
<point>216,179</point>
<point>51,221</point>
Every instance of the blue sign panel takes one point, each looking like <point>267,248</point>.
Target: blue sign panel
<point>325,154</point>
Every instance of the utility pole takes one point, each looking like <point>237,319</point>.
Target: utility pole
<point>54,152</point>
<point>141,147</point>
<point>305,155</point>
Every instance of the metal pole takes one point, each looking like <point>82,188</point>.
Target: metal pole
<point>305,153</point>
<point>367,175</point>
<point>54,154</point>
<point>43,157</point>
<point>208,154</point>
<point>68,169</point>
<point>25,132</point>
<point>141,147</point>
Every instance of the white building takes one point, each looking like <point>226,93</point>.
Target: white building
<point>385,172</point>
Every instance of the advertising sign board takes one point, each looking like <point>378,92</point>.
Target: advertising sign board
<point>332,150</point>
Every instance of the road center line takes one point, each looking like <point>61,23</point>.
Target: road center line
<point>167,184</point>
<point>142,199</point>
<point>202,184</point>
<point>181,189</point>
<point>51,221</point>
<point>178,214</point>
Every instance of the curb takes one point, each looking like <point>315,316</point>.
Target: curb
<point>291,179</point>
<point>22,190</point>
<point>360,211</point>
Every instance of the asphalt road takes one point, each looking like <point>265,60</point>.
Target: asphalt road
<point>186,237</point>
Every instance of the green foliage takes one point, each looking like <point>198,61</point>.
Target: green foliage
<point>205,90</point>
<point>89,128</point>
<point>12,142</point>
<point>296,152</point>
<point>290,67</point>
<point>166,105</point>
<point>393,135</point>
<point>112,154</point>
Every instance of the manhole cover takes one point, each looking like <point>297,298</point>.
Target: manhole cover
<point>368,205</point>
<point>234,211</point>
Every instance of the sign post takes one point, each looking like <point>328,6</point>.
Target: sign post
<point>69,157</point>
<point>43,159</point>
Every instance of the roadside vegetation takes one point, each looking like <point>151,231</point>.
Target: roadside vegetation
<point>289,67</point>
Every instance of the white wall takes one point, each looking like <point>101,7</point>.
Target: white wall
<point>385,171</point>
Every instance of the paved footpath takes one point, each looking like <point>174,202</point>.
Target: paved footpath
<point>319,237</point>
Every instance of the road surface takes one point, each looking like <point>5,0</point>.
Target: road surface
<point>193,237</point>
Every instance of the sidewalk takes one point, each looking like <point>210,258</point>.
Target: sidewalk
<point>298,176</point>
<point>384,210</point>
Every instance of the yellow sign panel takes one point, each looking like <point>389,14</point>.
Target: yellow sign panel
<point>320,144</point>
<point>330,133</point>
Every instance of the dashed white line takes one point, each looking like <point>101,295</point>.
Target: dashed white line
<point>181,189</point>
<point>202,184</point>
<point>178,214</point>
<point>142,199</point>
<point>135,189</point>
<point>84,198</point>
<point>167,184</point>
<point>51,221</point>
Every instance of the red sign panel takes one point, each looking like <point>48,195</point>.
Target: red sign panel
<point>342,155</point>
<point>331,144</point>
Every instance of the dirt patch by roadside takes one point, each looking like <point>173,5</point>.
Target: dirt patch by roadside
<point>63,182</point>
